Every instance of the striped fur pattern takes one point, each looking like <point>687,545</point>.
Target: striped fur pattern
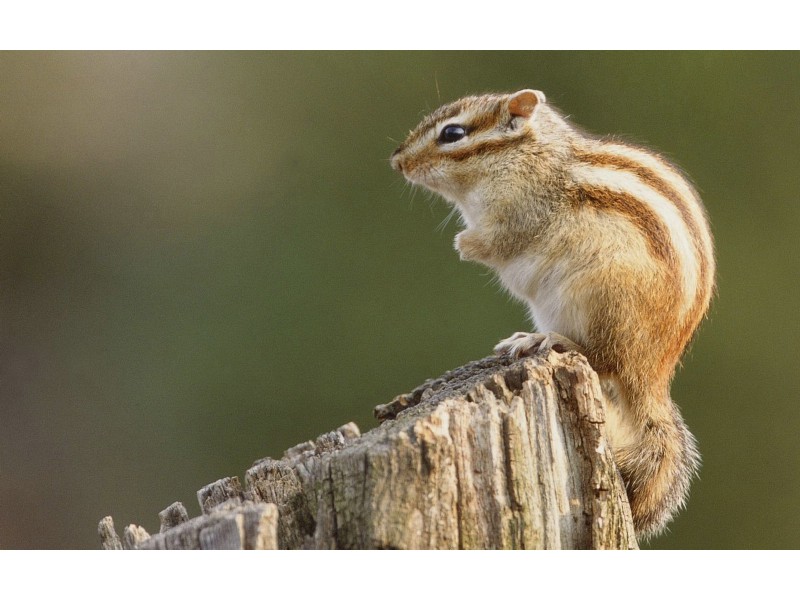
<point>609,246</point>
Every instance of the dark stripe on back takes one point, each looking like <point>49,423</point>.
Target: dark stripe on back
<point>642,216</point>
<point>652,179</point>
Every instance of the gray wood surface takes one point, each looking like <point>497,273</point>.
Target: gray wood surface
<point>494,454</point>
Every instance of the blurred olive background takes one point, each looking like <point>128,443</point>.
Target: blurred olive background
<point>205,259</point>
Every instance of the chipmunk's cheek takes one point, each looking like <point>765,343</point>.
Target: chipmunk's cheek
<point>461,181</point>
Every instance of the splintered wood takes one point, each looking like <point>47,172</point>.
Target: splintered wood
<point>495,454</point>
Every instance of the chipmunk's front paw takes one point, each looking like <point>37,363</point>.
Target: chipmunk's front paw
<point>472,246</point>
<point>526,344</point>
<point>520,344</point>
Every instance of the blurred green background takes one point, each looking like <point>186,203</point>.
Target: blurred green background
<point>205,259</point>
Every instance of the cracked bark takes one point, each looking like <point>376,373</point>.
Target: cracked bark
<point>495,454</point>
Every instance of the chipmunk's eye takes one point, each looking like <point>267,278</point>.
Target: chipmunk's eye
<point>451,133</point>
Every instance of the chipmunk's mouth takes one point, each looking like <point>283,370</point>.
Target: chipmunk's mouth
<point>420,172</point>
<point>424,176</point>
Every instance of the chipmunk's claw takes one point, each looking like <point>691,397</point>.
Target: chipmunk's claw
<point>527,344</point>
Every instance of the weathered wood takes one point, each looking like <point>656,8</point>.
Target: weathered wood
<point>173,515</point>
<point>133,536</point>
<point>494,454</point>
<point>239,525</point>
<point>218,492</point>
<point>109,540</point>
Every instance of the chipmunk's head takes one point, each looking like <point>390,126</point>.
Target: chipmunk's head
<point>455,149</point>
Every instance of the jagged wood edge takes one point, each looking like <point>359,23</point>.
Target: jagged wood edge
<point>303,486</point>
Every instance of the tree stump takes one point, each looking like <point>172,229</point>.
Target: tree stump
<point>495,454</point>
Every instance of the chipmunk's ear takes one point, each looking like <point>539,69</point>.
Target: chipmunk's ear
<point>524,102</point>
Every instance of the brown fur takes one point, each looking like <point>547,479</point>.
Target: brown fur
<point>658,183</point>
<point>646,221</point>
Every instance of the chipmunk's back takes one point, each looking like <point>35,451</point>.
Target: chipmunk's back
<point>606,242</point>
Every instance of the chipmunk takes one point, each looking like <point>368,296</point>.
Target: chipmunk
<point>609,246</point>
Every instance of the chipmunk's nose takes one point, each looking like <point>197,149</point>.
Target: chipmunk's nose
<point>397,161</point>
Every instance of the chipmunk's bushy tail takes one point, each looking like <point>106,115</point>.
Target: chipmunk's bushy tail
<point>657,471</point>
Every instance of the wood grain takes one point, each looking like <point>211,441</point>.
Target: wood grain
<point>495,454</point>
